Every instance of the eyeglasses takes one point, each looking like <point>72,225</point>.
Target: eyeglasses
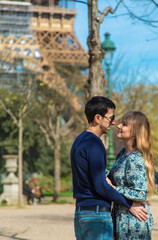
<point>111,119</point>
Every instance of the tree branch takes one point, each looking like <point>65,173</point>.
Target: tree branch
<point>104,13</point>
<point>117,6</point>
<point>108,10</point>
<point>150,22</point>
<point>9,112</point>
<point>68,124</point>
<point>25,106</point>
<point>66,133</point>
<point>29,111</point>
<point>51,127</point>
<point>65,130</point>
<point>47,137</point>
<point>78,1</point>
<point>156,4</point>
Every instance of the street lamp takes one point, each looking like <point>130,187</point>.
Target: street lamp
<point>109,48</point>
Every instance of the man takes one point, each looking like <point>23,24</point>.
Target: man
<point>28,192</point>
<point>92,192</point>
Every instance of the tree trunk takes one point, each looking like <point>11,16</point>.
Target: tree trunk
<point>96,81</point>
<point>57,147</point>
<point>20,163</point>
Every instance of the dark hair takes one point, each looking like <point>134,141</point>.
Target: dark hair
<point>98,105</point>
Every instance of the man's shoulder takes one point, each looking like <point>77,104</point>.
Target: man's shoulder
<point>86,135</point>
<point>88,139</point>
<point>80,136</point>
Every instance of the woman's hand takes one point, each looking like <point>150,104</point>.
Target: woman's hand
<point>109,182</point>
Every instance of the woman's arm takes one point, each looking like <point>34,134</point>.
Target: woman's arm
<point>110,183</point>
<point>135,187</point>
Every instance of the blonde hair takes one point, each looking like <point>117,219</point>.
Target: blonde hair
<point>140,128</point>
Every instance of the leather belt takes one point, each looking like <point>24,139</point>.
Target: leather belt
<point>93,208</point>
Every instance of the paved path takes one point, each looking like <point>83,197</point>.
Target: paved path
<point>46,222</point>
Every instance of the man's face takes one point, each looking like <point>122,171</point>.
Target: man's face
<point>107,120</point>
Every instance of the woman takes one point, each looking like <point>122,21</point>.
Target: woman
<point>133,176</point>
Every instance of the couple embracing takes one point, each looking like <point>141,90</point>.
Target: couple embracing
<point>128,185</point>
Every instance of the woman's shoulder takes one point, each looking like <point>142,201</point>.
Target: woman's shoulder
<point>136,158</point>
<point>136,155</point>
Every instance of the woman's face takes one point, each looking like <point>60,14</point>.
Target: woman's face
<point>124,131</point>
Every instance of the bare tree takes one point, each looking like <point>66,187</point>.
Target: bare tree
<point>58,123</point>
<point>55,130</point>
<point>96,81</point>
<point>22,112</point>
<point>60,119</point>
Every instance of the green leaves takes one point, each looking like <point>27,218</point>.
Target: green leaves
<point>144,98</point>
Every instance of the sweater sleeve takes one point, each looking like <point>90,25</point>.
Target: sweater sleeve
<point>97,158</point>
<point>135,187</point>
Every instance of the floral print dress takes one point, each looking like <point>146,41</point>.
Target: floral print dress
<point>128,174</point>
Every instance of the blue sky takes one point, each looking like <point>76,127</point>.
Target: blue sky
<point>137,42</point>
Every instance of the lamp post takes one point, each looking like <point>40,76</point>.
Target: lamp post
<point>109,48</point>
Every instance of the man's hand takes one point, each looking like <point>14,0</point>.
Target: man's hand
<point>139,211</point>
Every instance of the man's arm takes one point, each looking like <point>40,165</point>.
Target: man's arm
<point>97,165</point>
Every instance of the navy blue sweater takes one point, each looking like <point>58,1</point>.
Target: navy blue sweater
<point>88,162</point>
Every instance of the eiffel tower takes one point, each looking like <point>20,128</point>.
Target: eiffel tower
<point>38,34</point>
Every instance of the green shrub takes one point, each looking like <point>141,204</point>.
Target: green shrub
<point>45,182</point>
<point>1,188</point>
<point>66,184</point>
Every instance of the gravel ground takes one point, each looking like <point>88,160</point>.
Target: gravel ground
<point>39,222</point>
<point>46,222</point>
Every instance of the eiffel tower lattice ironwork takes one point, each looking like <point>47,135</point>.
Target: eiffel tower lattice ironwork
<point>40,33</point>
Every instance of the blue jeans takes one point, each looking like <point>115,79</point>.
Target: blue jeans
<point>93,225</point>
